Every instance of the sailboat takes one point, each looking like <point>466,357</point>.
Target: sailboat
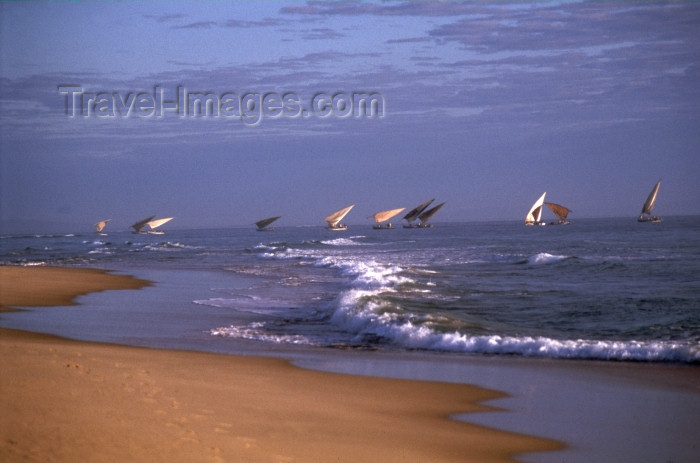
<point>335,218</point>
<point>383,216</point>
<point>535,215</point>
<point>561,212</point>
<point>99,226</point>
<point>415,212</point>
<point>427,215</point>
<point>154,224</point>
<point>263,224</point>
<point>138,226</point>
<point>649,206</point>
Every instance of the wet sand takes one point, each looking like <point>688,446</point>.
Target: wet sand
<point>67,401</point>
<point>45,286</point>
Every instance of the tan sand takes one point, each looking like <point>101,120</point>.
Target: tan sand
<point>37,286</point>
<point>67,401</point>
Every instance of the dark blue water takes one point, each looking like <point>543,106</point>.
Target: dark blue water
<point>607,289</point>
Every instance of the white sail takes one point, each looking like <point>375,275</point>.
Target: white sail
<point>335,218</point>
<point>383,216</point>
<point>651,199</point>
<point>99,226</point>
<point>153,224</point>
<point>141,223</point>
<point>533,217</point>
<point>649,206</point>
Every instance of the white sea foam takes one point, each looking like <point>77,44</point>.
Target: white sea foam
<point>366,275</point>
<point>97,243</point>
<point>415,336</point>
<point>256,331</point>
<point>100,251</point>
<point>342,241</point>
<point>165,246</point>
<point>545,258</point>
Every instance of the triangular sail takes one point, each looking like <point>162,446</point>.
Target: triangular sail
<point>337,216</point>
<point>99,226</point>
<point>265,222</point>
<point>416,211</point>
<point>141,223</point>
<point>383,216</point>
<point>651,200</point>
<point>535,213</point>
<point>427,215</point>
<point>153,224</point>
<point>560,211</point>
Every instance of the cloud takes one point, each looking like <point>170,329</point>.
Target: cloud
<point>496,67</point>
<point>357,8</point>
<point>567,26</point>
<point>197,25</point>
<point>189,63</point>
<point>323,33</point>
<point>165,18</point>
<point>243,24</point>
<point>170,17</point>
<point>410,40</point>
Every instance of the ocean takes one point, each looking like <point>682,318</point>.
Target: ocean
<point>607,289</point>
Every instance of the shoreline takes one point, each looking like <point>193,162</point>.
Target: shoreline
<point>137,404</point>
<point>54,286</point>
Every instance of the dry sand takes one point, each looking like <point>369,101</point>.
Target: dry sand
<point>68,401</point>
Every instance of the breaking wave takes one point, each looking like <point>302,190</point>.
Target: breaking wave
<point>381,304</point>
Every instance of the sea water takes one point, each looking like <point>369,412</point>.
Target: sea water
<point>601,289</point>
<point>471,302</point>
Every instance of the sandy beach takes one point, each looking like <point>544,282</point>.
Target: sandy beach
<point>67,401</point>
<point>46,286</point>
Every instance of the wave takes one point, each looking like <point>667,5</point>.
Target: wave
<point>31,236</point>
<point>229,302</point>
<point>169,246</point>
<point>364,311</point>
<point>368,322</point>
<point>105,251</point>
<point>377,306</point>
<point>366,317</point>
<point>343,241</point>
<point>544,258</point>
<point>650,351</point>
<point>244,303</point>
<point>257,332</point>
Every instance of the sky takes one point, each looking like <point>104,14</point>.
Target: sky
<point>484,105</point>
